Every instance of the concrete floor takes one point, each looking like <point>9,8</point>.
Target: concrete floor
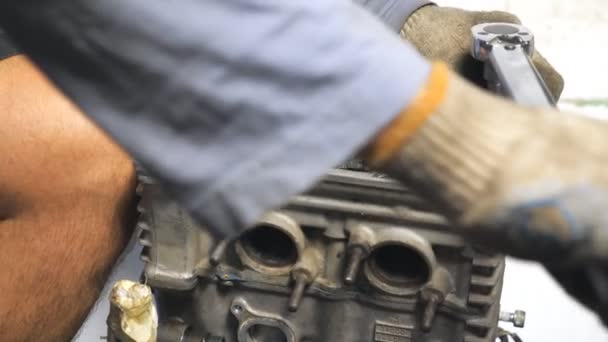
<point>573,35</point>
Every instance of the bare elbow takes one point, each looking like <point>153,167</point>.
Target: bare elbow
<point>66,206</point>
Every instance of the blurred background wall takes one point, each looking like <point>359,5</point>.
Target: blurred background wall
<point>573,36</point>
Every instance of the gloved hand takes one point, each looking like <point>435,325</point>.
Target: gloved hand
<point>444,33</point>
<point>529,182</point>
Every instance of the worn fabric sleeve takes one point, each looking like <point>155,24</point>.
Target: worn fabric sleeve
<point>234,105</point>
<point>7,48</point>
<point>394,13</point>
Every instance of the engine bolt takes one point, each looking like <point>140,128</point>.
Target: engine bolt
<point>298,292</point>
<point>517,318</point>
<point>218,253</point>
<point>352,267</point>
<point>429,312</point>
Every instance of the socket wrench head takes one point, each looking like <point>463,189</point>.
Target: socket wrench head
<point>486,36</point>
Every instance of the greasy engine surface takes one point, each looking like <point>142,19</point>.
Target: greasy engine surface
<point>357,258</point>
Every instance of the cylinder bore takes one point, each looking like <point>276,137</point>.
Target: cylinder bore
<point>400,263</point>
<point>273,246</point>
<point>270,245</point>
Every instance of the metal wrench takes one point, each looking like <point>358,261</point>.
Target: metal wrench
<point>506,50</point>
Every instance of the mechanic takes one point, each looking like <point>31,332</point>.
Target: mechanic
<point>237,105</point>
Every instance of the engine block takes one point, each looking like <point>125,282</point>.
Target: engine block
<point>357,258</point>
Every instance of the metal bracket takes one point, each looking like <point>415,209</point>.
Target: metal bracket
<point>252,322</point>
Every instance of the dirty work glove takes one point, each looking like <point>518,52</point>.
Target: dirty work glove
<point>529,182</point>
<point>444,33</point>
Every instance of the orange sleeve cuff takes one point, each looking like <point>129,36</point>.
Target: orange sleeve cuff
<point>390,140</point>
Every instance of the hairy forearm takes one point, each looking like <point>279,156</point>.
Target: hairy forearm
<point>55,263</point>
<point>66,208</point>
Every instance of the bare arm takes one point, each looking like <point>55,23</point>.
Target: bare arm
<point>66,197</point>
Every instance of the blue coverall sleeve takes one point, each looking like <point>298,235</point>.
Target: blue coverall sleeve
<point>393,13</point>
<point>7,48</point>
<point>234,105</point>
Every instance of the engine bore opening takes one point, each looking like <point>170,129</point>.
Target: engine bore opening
<point>270,246</point>
<point>399,265</point>
<point>266,333</point>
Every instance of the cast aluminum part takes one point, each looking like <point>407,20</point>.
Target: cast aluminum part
<point>357,258</point>
<point>507,49</point>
